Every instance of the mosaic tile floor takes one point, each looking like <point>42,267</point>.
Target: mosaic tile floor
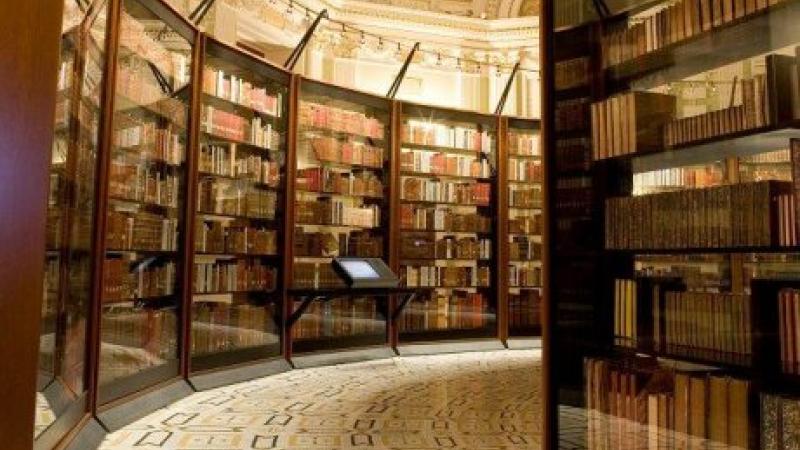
<point>473,401</point>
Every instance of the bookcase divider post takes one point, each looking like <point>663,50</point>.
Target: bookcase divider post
<point>501,244</point>
<point>101,200</point>
<point>192,170</point>
<point>289,214</point>
<point>394,214</point>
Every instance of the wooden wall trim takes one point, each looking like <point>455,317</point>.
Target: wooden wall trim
<point>29,37</point>
<point>547,88</point>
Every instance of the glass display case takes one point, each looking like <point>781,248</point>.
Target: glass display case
<point>448,205</point>
<point>524,177</point>
<point>71,218</point>
<point>237,299</point>
<point>341,208</point>
<point>142,292</point>
<point>674,152</point>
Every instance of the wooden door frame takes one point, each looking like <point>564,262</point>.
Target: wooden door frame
<point>30,38</point>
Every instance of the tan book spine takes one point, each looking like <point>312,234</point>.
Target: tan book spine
<point>738,423</point>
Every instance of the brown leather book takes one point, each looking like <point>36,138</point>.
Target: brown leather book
<point>718,410</point>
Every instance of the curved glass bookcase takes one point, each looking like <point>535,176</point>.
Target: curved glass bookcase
<point>237,296</point>
<point>341,209</point>
<point>447,239</point>
<point>71,218</point>
<point>142,293</point>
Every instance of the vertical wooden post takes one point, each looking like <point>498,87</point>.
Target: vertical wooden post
<point>288,219</point>
<point>29,37</point>
<point>547,89</point>
<point>394,209</point>
<point>190,208</point>
<point>502,228</point>
<point>101,199</point>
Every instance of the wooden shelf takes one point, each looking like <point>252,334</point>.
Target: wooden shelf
<point>149,253</point>
<point>343,165</point>
<point>406,173</point>
<point>336,194</point>
<point>306,128</point>
<point>257,184</point>
<point>147,206</point>
<point>689,251</point>
<point>741,144</point>
<point>747,37</point>
<point>222,255</point>
<point>225,103</point>
<point>433,203</point>
<point>442,149</point>
<point>215,139</point>
<point>404,260</point>
<point>415,230</point>
<point>237,217</point>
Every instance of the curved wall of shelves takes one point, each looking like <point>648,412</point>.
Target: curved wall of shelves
<point>225,186</point>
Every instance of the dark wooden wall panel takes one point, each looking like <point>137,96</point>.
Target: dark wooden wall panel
<point>29,45</point>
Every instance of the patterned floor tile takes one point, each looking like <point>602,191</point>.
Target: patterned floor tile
<point>473,401</point>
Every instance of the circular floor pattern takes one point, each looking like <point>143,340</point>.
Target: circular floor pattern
<point>470,401</point>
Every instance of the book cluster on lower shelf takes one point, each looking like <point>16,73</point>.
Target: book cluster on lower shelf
<point>139,183</point>
<point>413,218</point>
<point>759,214</point>
<point>141,231</point>
<point>325,244</point>
<point>231,126</point>
<point>234,238</point>
<point>789,330</point>
<point>240,91</point>
<point>337,212</point>
<point>324,180</point>
<point>223,198</point>
<point>134,339</point>
<point>123,284</point>
<point>460,310</point>
<point>229,162</point>
<point>333,150</point>
<point>524,144</point>
<point>674,24</point>
<point>571,73</point>
<point>151,142</point>
<point>340,317</point>
<point>466,137</point>
<point>464,193</point>
<point>524,309</point>
<point>447,276</point>
<point>224,276</point>
<point>428,246</point>
<point>340,120</point>
<point>708,326</point>
<point>220,327</point>
<point>315,275</point>
<point>423,162</point>
<point>640,404</point>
